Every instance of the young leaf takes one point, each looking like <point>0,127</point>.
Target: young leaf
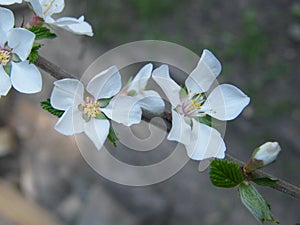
<point>46,105</point>
<point>104,102</point>
<point>42,33</point>
<point>7,68</point>
<point>207,120</point>
<point>225,174</point>
<point>112,136</point>
<point>265,181</point>
<point>34,54</point>
<point>255,203</point>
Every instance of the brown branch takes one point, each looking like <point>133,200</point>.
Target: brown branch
<point>282,186</point>
<point>52,69</point>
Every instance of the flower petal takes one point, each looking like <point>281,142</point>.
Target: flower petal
<point>5,83</point>
<point>206,142</point>
<point>225,102</point>
<point>37,7</point>
<point>66,93</point>
<point>170,87</point>
<point>150,101</point>
<point>26,78</point>
<point>3,38</point>
<point>77,26</point>
<point>105,84</point>
<point>180,130</point>
<point>46,8</point>
<point>140,81</point>
<point>124,109</point>
<point>204,74</point>
<point>7,20</point>
<point>9,2</point>
<point>21,41</point>
<point>70,123</point>
<point>97,131</point>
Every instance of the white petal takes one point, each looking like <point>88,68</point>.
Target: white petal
<point>9,2</point>
<point>105,84</point>
<point>66,93</point>
<point>150,101</point>
<point>37,7</point>
<point>70,123</point>
<point>124,109</point>
<point>26,78</point>
<point>225,102</point>
<point>97,131</point>
<point>204,74</point>
<point>48,7</point>
<point>7,20</point>
<point>180,130</point>
<point>170,87</point>
<point>5,83</point>
<point>140,81</point>
<point>3,37</point>
<point>206,142</point>
<point>21,41</point>
<point>77,26</point>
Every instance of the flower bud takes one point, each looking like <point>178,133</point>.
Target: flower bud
<point>263,156</point>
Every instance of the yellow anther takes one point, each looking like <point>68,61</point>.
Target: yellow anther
<point>5,56</point>
<point>195,105</point>
<point>90,108</point>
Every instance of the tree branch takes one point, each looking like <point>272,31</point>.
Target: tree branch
<point>281,185</point>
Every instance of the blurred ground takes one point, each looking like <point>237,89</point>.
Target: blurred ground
<point>258,44</point>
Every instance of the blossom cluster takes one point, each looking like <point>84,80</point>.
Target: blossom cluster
<point>91,109</point>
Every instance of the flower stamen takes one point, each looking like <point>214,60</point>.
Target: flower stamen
<point>191,106</point>
<point>90,108</point>
<point>5,56</point>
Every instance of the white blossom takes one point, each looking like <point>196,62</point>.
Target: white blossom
<point>267,153</point>
<point>45,9</point>
<point>89,112</point>
<point>15,47</point>
<point>189,105</point>
<point>136,88</point>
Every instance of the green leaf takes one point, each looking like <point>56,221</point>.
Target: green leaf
<point>104,102</point>
<point>7,68</point>
<point>34,54</point>
<point>42,33</point>
<point>225,174</point>
<point>46,105</point>
<point>101,116</point>
<point>207,120</point>
<point>255,203</point>
<point>183,94</point>
<point>112,136</point>
<point>265,181</point>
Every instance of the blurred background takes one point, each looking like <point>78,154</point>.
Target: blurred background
<point>258,42</point>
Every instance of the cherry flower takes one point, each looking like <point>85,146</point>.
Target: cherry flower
<point>10,2</point>
<point>190,105</point>
<point>136,88</point>
<point>89,111</point>
<point>15,47</point>
<point>45,9</point>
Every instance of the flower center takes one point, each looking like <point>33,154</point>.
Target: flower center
<point>5,56</point>
<point>90,108</point>
<point>191,106</point>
